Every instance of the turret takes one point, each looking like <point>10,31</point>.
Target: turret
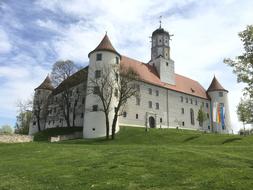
<point>40,103</point>
<point>220,107</point>
<point>102,58</point>
<point>160,55</point>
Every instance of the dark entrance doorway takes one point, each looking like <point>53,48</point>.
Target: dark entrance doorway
<point>151,122</point>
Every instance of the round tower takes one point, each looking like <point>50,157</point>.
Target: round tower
<point>40,105</point>
<point>103,58</point>
<point>219,107</point>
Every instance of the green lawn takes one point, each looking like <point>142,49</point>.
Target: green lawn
<point>158,159</point>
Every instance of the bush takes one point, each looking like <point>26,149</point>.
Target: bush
<point>6,129</point>
<point>52,132</point>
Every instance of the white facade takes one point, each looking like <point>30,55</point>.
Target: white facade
<point>157,106</point>
<point>94,121</point>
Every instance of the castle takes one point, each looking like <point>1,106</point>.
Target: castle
<point>167,99</point>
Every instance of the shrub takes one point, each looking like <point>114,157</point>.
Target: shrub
<point>6,129</point>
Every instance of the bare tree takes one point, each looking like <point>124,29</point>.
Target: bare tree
<point>114,81</point>
<point>102,85</point>
<point>24,116</point>
<point>61,71</point>
<point>126,86</point>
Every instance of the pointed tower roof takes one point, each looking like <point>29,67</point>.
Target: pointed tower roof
<point>215,86</point>
<point>46,84</point>
<point>105,45</point>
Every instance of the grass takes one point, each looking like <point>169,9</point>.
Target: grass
<point>159,159</point>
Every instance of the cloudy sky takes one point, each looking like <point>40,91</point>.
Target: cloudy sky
<point>36,33</point>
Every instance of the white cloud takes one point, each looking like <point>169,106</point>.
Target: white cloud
<point>5,44</point>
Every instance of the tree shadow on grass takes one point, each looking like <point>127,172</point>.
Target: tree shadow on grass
<point>191,138</point>
<point>231,140</point>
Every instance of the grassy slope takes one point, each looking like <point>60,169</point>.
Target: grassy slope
<point>159,159</point>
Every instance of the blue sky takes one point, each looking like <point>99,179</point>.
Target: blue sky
<point>36,33</point>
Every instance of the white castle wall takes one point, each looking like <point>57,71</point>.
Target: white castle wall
<point>170,106</point>
<point>224,99</point>
<point>94,121</point>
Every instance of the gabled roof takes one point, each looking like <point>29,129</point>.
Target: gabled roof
<point>75,79</point>
<point>149,75</point>
<point>105,45</point>
<point>215,86</point>
<point>46,84</point>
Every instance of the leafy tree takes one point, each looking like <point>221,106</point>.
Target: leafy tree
<point>243,64</point>
<point>245,112</point>
<point>202,116</point>
<point>6,129</point>
<point>61,71</point>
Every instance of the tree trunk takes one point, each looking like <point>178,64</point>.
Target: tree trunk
<point>107,127</point>
<point>114,125</point>
<point>38,123</point>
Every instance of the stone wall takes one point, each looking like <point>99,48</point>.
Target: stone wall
<point>75,135</point>
<point>15,138</point>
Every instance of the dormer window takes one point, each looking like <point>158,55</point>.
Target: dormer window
<point>99,56</point>
<point>193,91</point>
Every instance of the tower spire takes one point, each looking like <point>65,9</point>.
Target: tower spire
<point>160,21</point>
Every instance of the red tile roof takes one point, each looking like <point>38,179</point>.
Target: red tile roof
<point>149,74</point>
<point>215,85</point>
<point>105,45</point>
<point>46,84</point>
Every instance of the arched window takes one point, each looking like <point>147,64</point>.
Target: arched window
<point>192,116</point>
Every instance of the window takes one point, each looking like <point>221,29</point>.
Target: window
<point>186,99</point>
<point>207,105</point>
<point>157,93</point>
<point>83,100</point>
<point>208,127</point>
<point>34,123</point>
<point>192,116</point>
<point>150,91</point>
<point>117,60</point>
<point>183,123</point>
<point>207,115</point>
<point>96,90</point>
<point>182,110</point>
<point>157,106</point>
<point>117,77</point>
<point>203,104</point>
<point>220,94</point>
<point>137,87</point>
<point>138,101</point>
<point>54,110</point>
<point>93,129</point>
<point>137,116</point>
<point>182,99</point>
<point>97,74</point>
<point>161,120</point>
<point>99,57</point>
<point>95,108</point>
<point>167,63</point>
<point>191,101</point>
<point>116,92</point>
<point>196,102</point>
<point>150,104</point>
<point>49,122</point>
<point>81,115</point>
<point>124,114</point>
